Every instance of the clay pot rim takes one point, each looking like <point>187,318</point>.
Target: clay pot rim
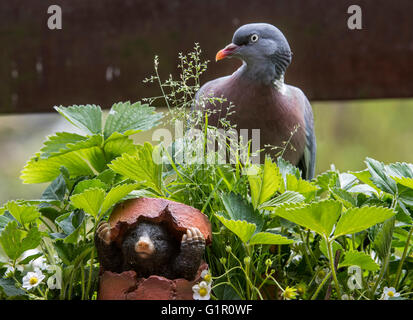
<point>119,227</point>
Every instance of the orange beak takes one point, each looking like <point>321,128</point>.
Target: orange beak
<point>228,51</point>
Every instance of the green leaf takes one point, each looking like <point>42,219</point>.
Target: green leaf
<point>364,176</point>
<point>9,288</point>
<point>88,117</point>
<point>56,190</point>
<point>117,145</point>
<point>238,209</point>
<point>31,240</point>
<point>299,185</point>
<point>347,181</point>
<point>326,180</point>
<point>89,184</point>
<point>71,224</point>
<point>357,258</point>
<point>116,194</point>
<point>82,162</point>
<point>383,239</point>
<point>90,200</point>
<point>242,229</point>
<point>269,238</point>
<point>400,170</point>
<point>265,184</point>
<point>128,119</point>
<point>407,182</point>
<point>286,197</point>
<point>15,241</point>
<point>358,219</point>
<point>61,142</point>
<point>64,142</point>
<point>22,213</point>
<point>140,167</point>
<point>5,218</point>
<point>335,244</point>
<point>286,167</point>
<point>10,240</point>
<point>30,258</point>
<point>318,216</point>
<point>107,177</point>
<point>379,176</point>
<point>347,198</point>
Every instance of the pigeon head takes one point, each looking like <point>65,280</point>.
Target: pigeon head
<point>263,49</point>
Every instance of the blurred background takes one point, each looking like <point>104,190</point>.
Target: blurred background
<point>359,82</point>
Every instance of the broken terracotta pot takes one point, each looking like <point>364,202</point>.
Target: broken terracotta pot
<point>179,217</point>
<point>125,286</point>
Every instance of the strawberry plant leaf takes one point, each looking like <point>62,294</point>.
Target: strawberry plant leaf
<point>56,190</point>
<point>323,248</point>
<point>242,229</point>
<point>265,184</point>
<point>269,238</point>
<point>116,194</point>
<point>117,145</point>
<point>89,184</point>
<point>129,119</point>
<point>71,224</point>
<point>140,167</point>
<point>299,185</point>
<point>86,117</point>
<point>59,143</point>
<point>24,214</point>
<point>318,216</point>
<point>286,197</point>
<point>15,241</point>
<point>9,288</point>
<point>90,200</point>
<point>82,162</point>
<point>379,176</point>
<point>357,258</point>
<point>365,177</point>
<point>358,219</point>
<point>383,238</point>
<point>407,182</point>
<point>238,209</point>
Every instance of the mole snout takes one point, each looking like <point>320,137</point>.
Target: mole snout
<point>144,247</point>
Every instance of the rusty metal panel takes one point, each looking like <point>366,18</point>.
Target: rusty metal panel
<point>106,47</point>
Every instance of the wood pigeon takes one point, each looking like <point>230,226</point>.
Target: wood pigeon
<point>262,100</point>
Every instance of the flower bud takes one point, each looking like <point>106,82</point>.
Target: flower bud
<point>247,260</point>
<point>228,249</point>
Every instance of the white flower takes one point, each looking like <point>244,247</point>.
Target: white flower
<point>389,293</point>
<point>10,270</point>
<point>206,276</point>
<point>39,263</point>
<point>202,291</point>
<point>296,259</point>
<point>32,279</point>
<point>55,281</point>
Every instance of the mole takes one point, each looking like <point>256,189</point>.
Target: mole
<point>149,248</point>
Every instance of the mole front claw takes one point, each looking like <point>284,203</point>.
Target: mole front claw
<point>193,239</point>
<point>103,232</point>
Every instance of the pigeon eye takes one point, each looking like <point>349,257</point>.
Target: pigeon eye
<point>254,37</point>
